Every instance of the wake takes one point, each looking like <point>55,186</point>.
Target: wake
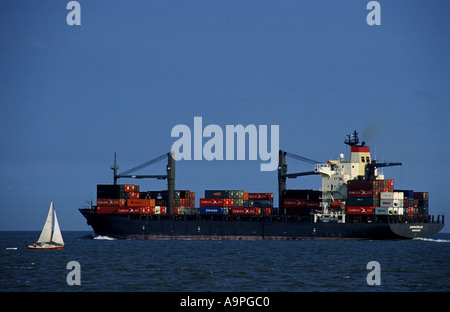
<point>432,240</point>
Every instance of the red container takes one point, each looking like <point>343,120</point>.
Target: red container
<point>147,210</point>
<point>110,202</point>
<point>134,195</point>
<point>128,210</point>
<point>313,204</point>
<point>107,209</point>
<point>362,193</point>
<point>216,202</point>
<point>245,211</point>
<point>253,196</point>
<point>211,202</point>
<point>391,185</point>
<point>362,210</point>
<point>292,202</point>
<point>131,188</point>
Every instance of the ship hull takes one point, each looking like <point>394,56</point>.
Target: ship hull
<point>247,228</point>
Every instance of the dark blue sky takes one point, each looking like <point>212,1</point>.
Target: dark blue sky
<point>71,96</point>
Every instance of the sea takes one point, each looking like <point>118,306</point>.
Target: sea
<point>90,263</point>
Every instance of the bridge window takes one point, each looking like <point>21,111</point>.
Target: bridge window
<point>362,159</point>
<point>367,159</point>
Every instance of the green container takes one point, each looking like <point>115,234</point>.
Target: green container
<point>363,201</point>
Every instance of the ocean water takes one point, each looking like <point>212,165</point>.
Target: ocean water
<point>223,266</point>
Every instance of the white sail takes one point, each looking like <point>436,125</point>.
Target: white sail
<point>57,236</point>
<point>46,233</point>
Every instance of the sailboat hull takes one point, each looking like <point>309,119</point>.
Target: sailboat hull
<point>46,247</point>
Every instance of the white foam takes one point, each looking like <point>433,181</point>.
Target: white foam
<point>432,240</point>
<point>101,237</point>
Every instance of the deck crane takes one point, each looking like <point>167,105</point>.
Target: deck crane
<point>170,176</point>
<point>283,175</point>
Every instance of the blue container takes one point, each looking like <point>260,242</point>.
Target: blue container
<point>213,210</point>
<point>382,211</point>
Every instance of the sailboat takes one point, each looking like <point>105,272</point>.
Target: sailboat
<point>51,237</point>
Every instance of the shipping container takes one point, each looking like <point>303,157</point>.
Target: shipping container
<point>387,195</point>
<point>362,193</point>
<point>147,210</point>
<point>362,210</point>
<point>160,210</point>
<point>110,202</point>
<point>302,194</point>
<point>129,188</point>
<point>141,203</point>
<point>106,188</point>
<point>386,203</point>
<point>260,203</point>
<point>214,210</point>
<point>381,211</point>
<point>363,184</point>
<point>313,204</point>
<point>298,211</point>
<point>133,195</point>
<point>217,194</point>
<point>107,209</point>
<point>391,195</point>
<point>113,195</point>
<point>217,202</point>
<point>395,211</point>
<point>128,210</point>
<point>406,193</point>
<point>245,211</point>
<point>292,202</point>
<point>363,201</point>
<point>259,196</point>
<point>422,203</point>
<point>421,195</point>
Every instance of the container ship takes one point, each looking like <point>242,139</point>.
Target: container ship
<point>355,202</point>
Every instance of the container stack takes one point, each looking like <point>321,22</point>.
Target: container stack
<point>126,199</point>
<point>236,202</point>
<point>363,196</point>
<point>184,202</point>
<point>301,202</point>
<point>378,197</point>
<point>408,202</point>
<point>421,203</point>
<point>256,204</point>
<point>393,202</point>
<point>218,202</point>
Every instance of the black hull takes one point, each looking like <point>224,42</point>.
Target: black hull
<point>248,228</point>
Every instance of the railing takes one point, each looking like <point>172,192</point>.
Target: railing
<point>417,219</point>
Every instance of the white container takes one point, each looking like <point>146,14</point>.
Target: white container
<point>386,203</point>
<point>386,195</point>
